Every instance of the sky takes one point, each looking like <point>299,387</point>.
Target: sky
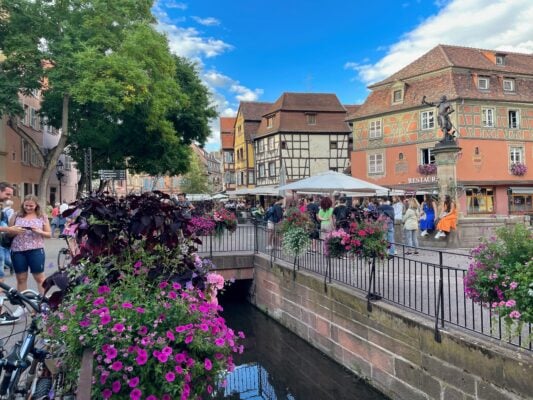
<point>254,50</point>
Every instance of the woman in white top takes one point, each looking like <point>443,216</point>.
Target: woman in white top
<point>410,223</point>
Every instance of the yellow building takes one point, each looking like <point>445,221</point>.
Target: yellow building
<point>246,125</point>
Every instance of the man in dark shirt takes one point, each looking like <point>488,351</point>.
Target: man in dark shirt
<point>313,209</point>
<point>387,210</point>
<point>341,214</point>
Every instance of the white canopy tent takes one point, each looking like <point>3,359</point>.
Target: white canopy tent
<point>332,181</point>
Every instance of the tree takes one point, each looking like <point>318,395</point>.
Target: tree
<point>195,181</point>
<point>108,79</point>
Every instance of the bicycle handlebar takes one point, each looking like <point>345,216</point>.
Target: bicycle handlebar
<point>13,293</point>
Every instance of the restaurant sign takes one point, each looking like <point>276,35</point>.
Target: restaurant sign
<point>423,179</point>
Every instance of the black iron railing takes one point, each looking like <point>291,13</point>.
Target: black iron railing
<point>428,283</point>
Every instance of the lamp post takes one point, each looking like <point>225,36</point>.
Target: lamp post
<point>60,175</point>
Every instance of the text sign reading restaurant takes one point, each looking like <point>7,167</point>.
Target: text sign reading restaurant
<point>422,179</point>
<point>111,174</point>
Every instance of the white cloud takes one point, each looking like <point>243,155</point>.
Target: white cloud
<point>187,42</point>
<point>174,4</point>
<point>209,21</point>
<point>489,24</point>
<point>220,81</point>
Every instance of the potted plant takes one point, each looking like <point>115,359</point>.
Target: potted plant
<point>337,243</point>
<point>500,275</point>
<point>427,169</point>
<point>518,169</point>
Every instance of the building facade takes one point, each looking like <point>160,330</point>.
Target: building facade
<point>491,93</point>
<point>246,125</point>
<point>227,139</point>
<point>301,135</point>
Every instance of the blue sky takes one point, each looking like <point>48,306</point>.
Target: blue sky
<point>255,50</point>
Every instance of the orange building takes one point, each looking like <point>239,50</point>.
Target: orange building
<point>492,95</point>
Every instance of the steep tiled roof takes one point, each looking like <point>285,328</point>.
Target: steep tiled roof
<point>291,111</point>
<point>444,56</point>
<point>227,124</point>
<point>253,110</point>
<point>451,71</point>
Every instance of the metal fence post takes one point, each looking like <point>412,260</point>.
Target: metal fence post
<point>211,246</point>
<point>439,304</point>
<point>372,295</point>
<point>256,240</point>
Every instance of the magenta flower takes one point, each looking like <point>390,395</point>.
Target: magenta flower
<point>107,393</point>
<point>135,394</point>
<point>143,330</point>
<point>515,314</point>
<point>118,328</point>
<point>105,319</point>
<point>116,366</point>
<point>115,387</point>
<point>170,376</point>
<point>84,323</point>
<point>140,310</point>
<point>208,364</point>
<point>111,352</point>
<point>98,301</point>
<point>133,382</point>
<point>103,289</point>
<point>170,335</point>
<point>127,305</point>
<point>188,339</point>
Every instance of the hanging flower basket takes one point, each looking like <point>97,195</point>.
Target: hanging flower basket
<point>518,169</point>
<point>427,169</point>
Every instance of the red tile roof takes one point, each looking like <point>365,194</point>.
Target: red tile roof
<point>227,124</point>
<point>252,112</point>
<point>451,71</point>
<point>291,111</point>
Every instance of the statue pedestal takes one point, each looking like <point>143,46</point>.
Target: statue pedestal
<point>446,159</point>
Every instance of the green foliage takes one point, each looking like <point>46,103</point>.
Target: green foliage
<point>195,181</point>
<point>294,218</point>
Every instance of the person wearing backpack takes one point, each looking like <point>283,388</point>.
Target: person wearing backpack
<point>273,216</point>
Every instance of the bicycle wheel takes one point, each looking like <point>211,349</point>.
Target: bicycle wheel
<point>63,259</point>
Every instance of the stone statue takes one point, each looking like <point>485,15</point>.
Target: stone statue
<point>444,108</point>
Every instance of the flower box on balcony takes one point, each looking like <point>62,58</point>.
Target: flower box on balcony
<point>427,169</point>
<point>518,169</point>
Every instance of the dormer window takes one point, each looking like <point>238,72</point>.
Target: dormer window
<point>270,121</point>
<point>311,119</point>
<point>508,85</point>
<point>500,59</point>
<point>483,83</point>
<point>397,92</point>
<point>397,96</point>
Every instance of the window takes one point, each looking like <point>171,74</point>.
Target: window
<point>272,168</point>
<point>34,119</point>
<point>427,156</point>
<point>271,143</point>
<point>397,96</point>
<point>284,145</point>
<point>36,189</point>
<point>251,177</point>
<point>27,189</point>
<point>508,85</point>
<point>33,158</point>
<point>311,119</point>
<point>26,115</point>
<point>487,115</point>
<point>228,156</point>
<point>375,163</point>
<point>400,156</point>
<point>427,119</point>
<point>261,170</point>
<point>374,129</point>
<point>476,151</point>
<point>516,154</point>
<point>500,60</point>
<point>514,120</point>
<point>333,145</point>
<point>270,122</point>
<point>483,83</point>
<point>25,152</point>
<point>242,178</point>
<point>480,200</point>
<point>260,146</point>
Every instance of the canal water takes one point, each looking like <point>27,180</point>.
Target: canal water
<point>278,365</point>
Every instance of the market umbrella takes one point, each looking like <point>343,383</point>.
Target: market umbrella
<point>333,181</point>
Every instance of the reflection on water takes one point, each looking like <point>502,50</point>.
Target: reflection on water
<point>278,365</point>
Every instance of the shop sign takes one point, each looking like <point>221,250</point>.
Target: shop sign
<point>423,179</point>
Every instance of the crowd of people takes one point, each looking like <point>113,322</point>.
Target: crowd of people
<point>414,218</point>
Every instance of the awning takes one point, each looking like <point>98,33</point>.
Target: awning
<point>521,189</point>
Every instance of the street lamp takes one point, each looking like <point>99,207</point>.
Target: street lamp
<point>60,175</point>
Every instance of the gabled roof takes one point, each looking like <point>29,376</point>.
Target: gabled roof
<point>451,71</point>
<point>291,111</point>
<point>227,124</point>
<point>445,56</point>
<point>253,110</point>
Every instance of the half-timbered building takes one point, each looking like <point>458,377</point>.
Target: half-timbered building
<point>246,125</point>
<point>301,135</point>
<point>492,95</point>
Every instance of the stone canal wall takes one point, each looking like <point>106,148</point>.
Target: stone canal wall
<point>391,348</point>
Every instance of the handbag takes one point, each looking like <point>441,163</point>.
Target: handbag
<point>6,240</point>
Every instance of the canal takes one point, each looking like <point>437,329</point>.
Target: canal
<point>278,365</point>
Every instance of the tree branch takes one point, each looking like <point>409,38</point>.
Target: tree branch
<point>15,124</point>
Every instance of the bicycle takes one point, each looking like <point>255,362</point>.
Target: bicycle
<point>26,371</point>
<point>66,254</point>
